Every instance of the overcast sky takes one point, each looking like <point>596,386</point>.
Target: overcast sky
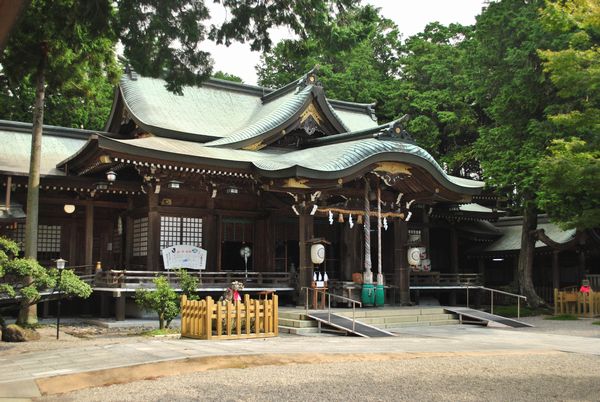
<point>411,16</point>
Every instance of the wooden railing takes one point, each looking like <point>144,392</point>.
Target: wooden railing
<point>206,319</point>
<point>579,303</point>
<point>594,282</point>
<point>434,278</point>
<point>223,279</point>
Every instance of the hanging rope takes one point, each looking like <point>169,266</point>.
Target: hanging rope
<point>368,276</point>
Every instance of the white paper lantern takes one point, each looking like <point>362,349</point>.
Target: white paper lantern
<point>414,256</point>
<point>317,253</point>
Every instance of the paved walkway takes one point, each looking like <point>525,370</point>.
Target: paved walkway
<point>20,372</point>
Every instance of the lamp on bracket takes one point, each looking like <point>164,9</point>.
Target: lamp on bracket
<point>111,176</point>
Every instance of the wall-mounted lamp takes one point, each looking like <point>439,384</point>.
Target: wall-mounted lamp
<point>111,176</point>
<point>174,184</point>
<point>69,208</point>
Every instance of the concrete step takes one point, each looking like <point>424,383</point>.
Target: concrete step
<point>391,312</point>
<point>289,322</point>
<point>293,314</point>
<point>391,327</point>
<point>298,331</point>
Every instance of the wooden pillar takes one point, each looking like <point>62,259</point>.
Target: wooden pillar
<point>89,238</point>
<point>129,233</point>
<point>305,270</point>
<point>555,270</point>
<point>425,231</point>
<point>453,260</point>
<point>73,242</point>
<point>209,241</point>
<point>350,252</point>
<point>219,240</point>
<point>401,270</point>
<point>581,270</point>
<point>152,259</point>
<point>120,307</point>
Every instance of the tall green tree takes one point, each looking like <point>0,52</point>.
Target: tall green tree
<point>67,47</point>
<point>434,90</point>
<point>356,56</point>
<point>508,83</point>
<point>570,173</point>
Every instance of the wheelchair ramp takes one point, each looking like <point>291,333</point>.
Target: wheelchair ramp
<point>344,323</point>
<point>487,318</point>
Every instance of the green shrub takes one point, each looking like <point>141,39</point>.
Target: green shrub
<point>163,300</point>
<point>188,284</point>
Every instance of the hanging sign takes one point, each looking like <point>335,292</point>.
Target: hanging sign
<point>184,256</point>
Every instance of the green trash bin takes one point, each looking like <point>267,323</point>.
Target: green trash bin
<point>368,294</point>
<point>379,296</point>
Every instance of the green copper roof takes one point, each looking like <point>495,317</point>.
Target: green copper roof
<point>511,235</point>
<point>15,149</point>
<point>220,109</point>
<point>327,161</point>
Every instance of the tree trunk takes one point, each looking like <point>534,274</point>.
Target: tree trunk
<point>527,253</point>
<point>161,321</point>
<point>27,312</point>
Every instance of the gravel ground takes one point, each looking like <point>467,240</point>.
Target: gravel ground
<point>521,377</point>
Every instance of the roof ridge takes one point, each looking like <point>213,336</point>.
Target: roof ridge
<point>309,78</point>
<point>55,131</point>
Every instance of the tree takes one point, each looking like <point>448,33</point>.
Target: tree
<point>570,184</point>
<point>227,77</point>
<point>434,90</point>
<point>22,279</point>
<point>188,284</point>
<point>355,55</point>
<point>508,84</point>
<point>67,47</point>
<point>570,173</point>
<point>163,300</point>
<point>72,49</point>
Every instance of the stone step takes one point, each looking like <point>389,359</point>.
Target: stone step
<point>391,327</point>
<point>389,312</point>
<point>298,331</point>
<point>293,314</point>
<point>289,322</point>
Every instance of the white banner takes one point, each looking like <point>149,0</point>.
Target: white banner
<point>184,256</point>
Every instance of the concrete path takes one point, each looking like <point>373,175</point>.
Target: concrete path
<point>20,374</point>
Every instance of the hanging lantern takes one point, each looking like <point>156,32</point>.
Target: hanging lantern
<point>359,219</point>
<point>341,218</point>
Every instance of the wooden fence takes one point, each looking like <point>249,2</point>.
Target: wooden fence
<point>573,302</point>
<point>207,319</point>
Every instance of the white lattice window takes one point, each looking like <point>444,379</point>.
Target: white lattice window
<point>48,237</point>
<point>140,237</point>
<point>179,230</point>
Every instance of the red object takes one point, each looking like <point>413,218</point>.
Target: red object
<point>236,296</point>
<point>584,289</point>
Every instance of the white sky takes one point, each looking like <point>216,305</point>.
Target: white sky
<point>411,16</point>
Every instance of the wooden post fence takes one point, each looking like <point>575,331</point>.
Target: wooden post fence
<point>207,319</point>
<point>579,303</point>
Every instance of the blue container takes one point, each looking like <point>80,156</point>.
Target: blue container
<point>368,294</point>
<point>379,296</point>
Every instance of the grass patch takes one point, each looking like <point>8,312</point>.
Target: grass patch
<point>160,332</point>
<point>562,317</point>
<point>596,323</point>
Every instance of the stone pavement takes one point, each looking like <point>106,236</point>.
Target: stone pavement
<point>20,372</point>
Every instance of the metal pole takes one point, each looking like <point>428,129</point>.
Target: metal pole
<point>353,317</point>
<point>467,295</point>
<point>492,303</point>
<point>329,307</point>
<point>518,307</point>
<point>306,304</point>
<point>58,304</point>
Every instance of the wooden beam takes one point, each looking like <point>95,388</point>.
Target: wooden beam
<point>89,238</point>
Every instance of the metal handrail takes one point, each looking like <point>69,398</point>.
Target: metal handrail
<point>354,303</point>
<point>492,291</point>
